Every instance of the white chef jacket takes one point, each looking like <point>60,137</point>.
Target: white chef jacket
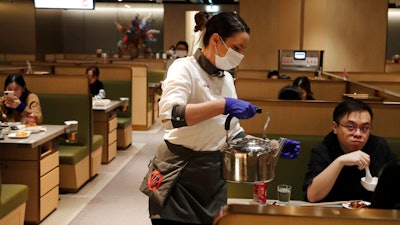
<point>187,83</point>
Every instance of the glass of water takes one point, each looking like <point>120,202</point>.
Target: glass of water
<point>284,192</point>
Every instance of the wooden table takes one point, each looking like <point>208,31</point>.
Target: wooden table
<point>239,212</point>
<point>105,123</point>
<point>34,161</point>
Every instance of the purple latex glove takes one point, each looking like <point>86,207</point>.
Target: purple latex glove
<point>239,108</point>
<point>291,149</point>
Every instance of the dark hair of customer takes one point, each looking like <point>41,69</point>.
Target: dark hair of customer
<point>289,92</point>
<point>305,87</point>
<point>387,194</point>
<point>94,69</point>
<point>226,25</point>
<point>273,74</point>
<point>182,45</point>
<point>18,79</point>
<point>348,106</point>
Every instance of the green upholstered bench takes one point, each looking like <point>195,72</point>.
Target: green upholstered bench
<point>292,171</point>
<point>13,199</point>
<point>116,89</point>
<point>74,158</point>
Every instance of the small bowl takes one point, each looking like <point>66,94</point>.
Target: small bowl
<point>369,186</point>
<point>33,129</point>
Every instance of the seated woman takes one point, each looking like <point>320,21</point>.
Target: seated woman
<point>18,105</point>
<point>303,83</point>
<point>387,195</point>
<point>96,86</point>
<point>289,92</point>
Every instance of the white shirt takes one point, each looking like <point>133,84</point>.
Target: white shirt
<point>186,83</point>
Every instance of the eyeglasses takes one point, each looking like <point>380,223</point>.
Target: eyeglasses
<point>354,128</point>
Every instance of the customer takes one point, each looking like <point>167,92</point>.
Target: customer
<point>18,106</point>
<point>337,164</point>
<point>96,86</point>
<point>273,74</point>
<point>200,18</point>
<point>289,92</point>
<point>387,194</point>
<point>198,94</point>
<point>181,49</point>
<point>304,85</point>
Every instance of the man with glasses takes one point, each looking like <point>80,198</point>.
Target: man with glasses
<point>337,164</point>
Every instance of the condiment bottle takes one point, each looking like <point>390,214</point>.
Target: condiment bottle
<point>31,120</point>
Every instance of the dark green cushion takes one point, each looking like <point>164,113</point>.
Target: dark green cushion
<point>123,122</point>
<point>11,196</point>
<point>116,89</point>
<point>57,108</point>
<point>72,154</point>
<point>155,76</point>
<point>97,141</point>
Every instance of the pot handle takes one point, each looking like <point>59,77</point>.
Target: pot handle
<point>229,118</point>
<point>228,122</point>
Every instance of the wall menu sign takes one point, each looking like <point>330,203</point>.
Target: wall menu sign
<point>300,60</point>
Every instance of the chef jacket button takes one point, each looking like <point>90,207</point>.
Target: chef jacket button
<point>178,118</point>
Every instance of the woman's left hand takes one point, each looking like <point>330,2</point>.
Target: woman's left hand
<point>12,101</point>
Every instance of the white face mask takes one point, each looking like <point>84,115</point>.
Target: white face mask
<point>181,53</point>
<point>231,60</point>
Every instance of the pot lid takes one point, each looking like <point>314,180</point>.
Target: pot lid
<point>250,146</point>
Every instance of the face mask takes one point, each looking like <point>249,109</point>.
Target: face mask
<point>181,53</point>
<point>231,60</point>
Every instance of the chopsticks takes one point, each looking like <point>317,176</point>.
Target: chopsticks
<point>328,203</point>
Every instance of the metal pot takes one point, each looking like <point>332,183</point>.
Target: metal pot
<point>250,160</point>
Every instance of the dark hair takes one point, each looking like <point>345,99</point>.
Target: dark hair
<point>304,83</point>
<point>94,69</point>
<point>348,106</point>
<point>289,92</point>
<point>19,79</point>
<point>182,43</point>
<point>226,24</point>
<point>201,19</point>
<point>387,195</point>
<point>272,73</point>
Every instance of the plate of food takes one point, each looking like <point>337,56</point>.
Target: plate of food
<point>20,134</point>
<point>356,204</point>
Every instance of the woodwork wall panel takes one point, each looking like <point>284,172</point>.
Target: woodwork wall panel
<point>355,35</point>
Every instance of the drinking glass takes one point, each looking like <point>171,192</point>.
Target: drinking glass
<point>284,192</point>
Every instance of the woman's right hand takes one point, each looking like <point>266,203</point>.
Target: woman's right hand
<point>12,101</point>
<point>239,108</point>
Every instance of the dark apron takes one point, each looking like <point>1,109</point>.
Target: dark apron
<point>198,192</point>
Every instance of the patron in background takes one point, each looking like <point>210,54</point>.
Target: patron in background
<point>337,164</point>
<point>289,92</point>
<point>20,103</point>
<point>96,86</point>
<point>273,74</point>
<point>181,49</point>
<point>304,85</point>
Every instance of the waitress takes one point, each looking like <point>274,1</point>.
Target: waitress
<point>184,181</point>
